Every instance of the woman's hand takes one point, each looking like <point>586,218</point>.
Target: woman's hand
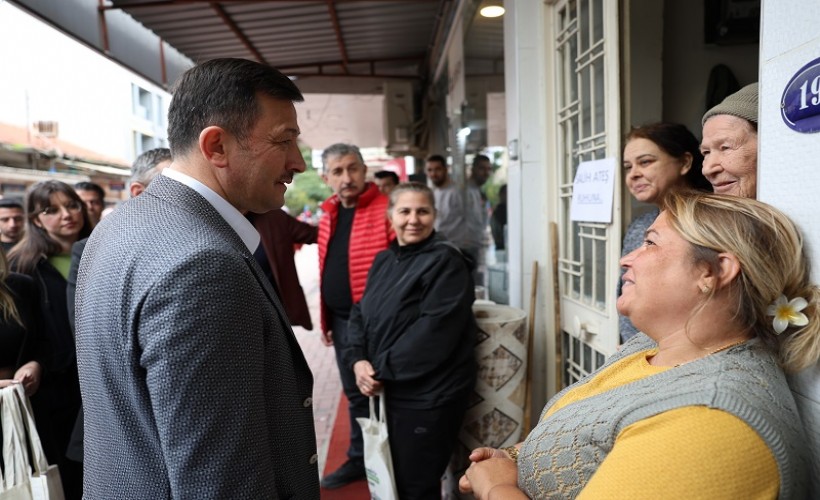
<point>491,478</point>
<point>364,372</point>
<point>476,456</point>
<point>29,375</point>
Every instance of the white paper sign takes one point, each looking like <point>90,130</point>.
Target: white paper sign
<point>592,191</point>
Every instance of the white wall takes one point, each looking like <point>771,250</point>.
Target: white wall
<point>528,205</point>
<point>49,76</point>
<point>788,169</point>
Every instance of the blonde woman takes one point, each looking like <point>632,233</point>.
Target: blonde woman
<point>697,406</point>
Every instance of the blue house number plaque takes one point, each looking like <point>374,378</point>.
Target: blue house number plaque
<point>800,104</point>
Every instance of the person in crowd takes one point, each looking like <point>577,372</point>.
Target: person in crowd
<point>20,335</point>
<point>145,168</point>
<point>387,180</point>
<point>353,229</point>
<point>280,233</point>
<point>12,223</point>
<point>93,196</point>
<point>729,144</point>
<point>658,158</point>
<point>480,171</point>
<point>498,221</point>
<point>462,222</point>
<point>56,219</point>
<point>411,341</point>
<point>706,378</point>
<point>194,385</point>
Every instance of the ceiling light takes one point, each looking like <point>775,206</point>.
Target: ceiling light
<point>492,9</point>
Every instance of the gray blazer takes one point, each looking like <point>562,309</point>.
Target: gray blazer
<point>193,383</point>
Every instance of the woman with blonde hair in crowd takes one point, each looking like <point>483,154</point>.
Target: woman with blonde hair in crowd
<point>696,406</point>
<point>55,219</point>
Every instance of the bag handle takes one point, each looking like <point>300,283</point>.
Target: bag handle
<point>38,454</point>
<point>15,454</point>
<point>382,419</point>
<point>19,417</point>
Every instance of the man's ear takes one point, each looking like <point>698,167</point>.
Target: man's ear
<point>136,189</point>
<point>212,143</point>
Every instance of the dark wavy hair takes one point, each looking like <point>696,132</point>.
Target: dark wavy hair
<point>36,243</point>
<point>675,140</point>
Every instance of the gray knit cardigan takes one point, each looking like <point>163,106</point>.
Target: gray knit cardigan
<point>562,453</point>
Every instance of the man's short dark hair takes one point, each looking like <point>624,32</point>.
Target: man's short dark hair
<point>142,169</point>
<point>223,93</point>
<point>11,203</point>
<point>90,186</point>
<point>480,158</point>
<point>387,174</point>
<point>437,158</point>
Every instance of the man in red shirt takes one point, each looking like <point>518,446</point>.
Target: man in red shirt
<point>353,229</point>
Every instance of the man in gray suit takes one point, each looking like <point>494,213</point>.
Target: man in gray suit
<point>193,383</point>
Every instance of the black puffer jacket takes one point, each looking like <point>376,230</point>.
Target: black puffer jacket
<point>415,324</point>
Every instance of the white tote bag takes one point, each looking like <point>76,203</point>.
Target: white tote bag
<point>21,442</point>
<point>377,460</point>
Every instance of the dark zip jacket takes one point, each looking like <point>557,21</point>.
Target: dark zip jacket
<point>415,324</point>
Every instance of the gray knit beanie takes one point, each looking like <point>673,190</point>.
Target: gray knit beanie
<point>742,104</point>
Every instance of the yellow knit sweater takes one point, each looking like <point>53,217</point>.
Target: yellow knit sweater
<point>693,452</point>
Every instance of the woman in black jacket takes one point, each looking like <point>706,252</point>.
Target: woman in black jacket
<point>20,341</point>
<point>55,219</point>
<point>413,335</point>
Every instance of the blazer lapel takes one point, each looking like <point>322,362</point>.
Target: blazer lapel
<point>181,195</point>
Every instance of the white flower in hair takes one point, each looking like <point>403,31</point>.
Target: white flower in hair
<point>787,312</point>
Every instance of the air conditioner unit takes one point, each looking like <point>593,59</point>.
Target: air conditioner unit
<point>398,115</point>
<point>46,128</point>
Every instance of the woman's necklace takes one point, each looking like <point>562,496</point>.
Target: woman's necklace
<point>723,348</point>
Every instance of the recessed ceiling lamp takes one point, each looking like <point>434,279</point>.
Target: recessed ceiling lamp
<point>492,9</point>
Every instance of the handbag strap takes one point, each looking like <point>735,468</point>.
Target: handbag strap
<point>382,409</point>
<point>38,454</point>
<point>15,454</point>
<point>23,438</point>
<point>382,418</point>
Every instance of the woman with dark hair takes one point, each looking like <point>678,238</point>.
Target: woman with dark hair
<point>55,218</point>
<point>658,158</point>
<point>413,335</point>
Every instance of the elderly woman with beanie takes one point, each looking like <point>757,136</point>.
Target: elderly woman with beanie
<point>658,158</point>
<point>729,144</point>
<point>696,406</point>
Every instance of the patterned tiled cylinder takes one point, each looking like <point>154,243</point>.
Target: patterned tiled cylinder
<point>496,410</point>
